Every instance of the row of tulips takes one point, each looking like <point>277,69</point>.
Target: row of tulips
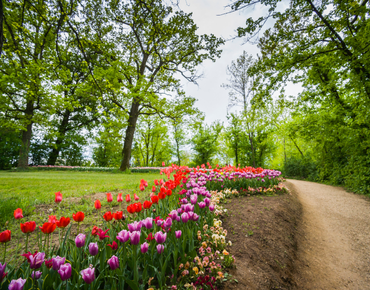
<point>145,250</point>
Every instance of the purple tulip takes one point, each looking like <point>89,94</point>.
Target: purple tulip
<point>207,201</point>
<point>167,223</point>
<point>160,249</point>
<point>93,249</point>
<point>144,247</point>
<point>148,223</point>
<point>135,226</point>
<point>193,198</point>
<point>190,214</point>
<point>179,210</point>
<point>2,270</point>
<point>88,275</point>
<point>159,222</point>
<point>17,284</point>
<point>123,236</point>
<point>178,218</point>
<point>36,260</point>
<point>113,263</point>
<point>173,214</point>
<point>135,238</point>
<point>65,271</point>
<point>195,217</point>
<point>160,237</point>
<point>57,262</point>
<point>184,217</point>
<point>184,201</point>
<point>202,204</point>
<point>188,207</point>
<point>36,275</point>
<point>80,240</point>
<point>178,234</point>
<point>211,207</point>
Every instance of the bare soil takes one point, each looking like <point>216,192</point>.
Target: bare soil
<point>262,230</point>
<point>316,237</point>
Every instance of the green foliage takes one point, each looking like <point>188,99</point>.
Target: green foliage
<point>323,46</point>
<point>9,148</point>
<point>205,142</point>
<point>152,145</point>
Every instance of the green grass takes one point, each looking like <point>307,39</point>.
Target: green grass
<point>27,189</point>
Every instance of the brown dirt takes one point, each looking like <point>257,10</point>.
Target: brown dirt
<point>333,250</point>
<point>262,230</point>
<point>317,237</point>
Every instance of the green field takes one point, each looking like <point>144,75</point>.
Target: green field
<point>26,189</point>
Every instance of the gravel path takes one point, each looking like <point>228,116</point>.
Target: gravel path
<point>334,249</point>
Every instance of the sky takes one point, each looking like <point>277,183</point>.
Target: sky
<point>212,98</point>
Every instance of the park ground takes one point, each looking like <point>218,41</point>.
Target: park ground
<point>313,237</point>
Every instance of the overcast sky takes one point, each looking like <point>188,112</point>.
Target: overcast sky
<point>212,98</point>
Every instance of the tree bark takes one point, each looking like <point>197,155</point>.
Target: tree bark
<point>26,137</point>
<point>61,134</point>
<point>129,138</point>
<point>25,148</point>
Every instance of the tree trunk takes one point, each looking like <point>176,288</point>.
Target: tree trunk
<point>1,26</point>
<point>25,148</point>
<point>61,134</point>
<point>129,138</point>
<point>178,152</point>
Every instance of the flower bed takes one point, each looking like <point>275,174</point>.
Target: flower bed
<point>172,240</point>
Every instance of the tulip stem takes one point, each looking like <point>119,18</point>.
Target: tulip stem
<point>47,250</point>
<point>4,253</point>
<point>27,242</point>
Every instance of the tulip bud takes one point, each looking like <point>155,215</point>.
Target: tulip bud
<point>93,249</point>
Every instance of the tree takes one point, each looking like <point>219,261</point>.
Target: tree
<point>240,82</point>
<point>205,142</point>
<point>30,32</point>
<point>152,145</point>
<point>323,45</point>
<point>157,45</point>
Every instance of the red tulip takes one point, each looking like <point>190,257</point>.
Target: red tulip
<point>28,227</point>
<point>103,234</point>
<point>131,208</point>
<point>49,263</point>
<point>154,199</point>
<point>114,246</point>
<point>142,188</point>
<point>109,197</point>
<point>108,216</point>
<point>150,237</point>
<point>97,204</point>
<point>58,197</point>
<point>156,182</point>
<point>18,214</point>
<point>52,219</point>
<point>5,236</point>
<point>169,192</point>
<point>136,197</point>
<point>161,195</point>
<point>128,198</point>
<point>95,231</point>
<point>118,215</point>
<point>48,228</point>
<point>163,164</point>
<point>78,216</point>
<point>147,204</point>
<point>119,197</point>
<point>63,222</point>
<point>138,207</point>
<point>154,189</point>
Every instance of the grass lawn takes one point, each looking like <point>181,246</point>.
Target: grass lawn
<point>26,189</point>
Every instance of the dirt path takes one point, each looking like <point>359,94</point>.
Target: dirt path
<point>334,249</point>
